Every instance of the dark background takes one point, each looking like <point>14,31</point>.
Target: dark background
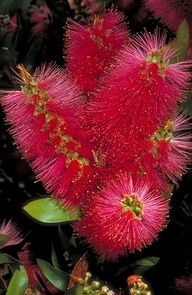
<point>17,182</point>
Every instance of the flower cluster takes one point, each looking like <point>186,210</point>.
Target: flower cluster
<point>40,16</point>
<point>105,133</point>
<point>92,287</point>
<point>138,286</point>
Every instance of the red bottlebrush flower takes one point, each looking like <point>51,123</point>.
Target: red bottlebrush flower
<point>167,10</point>
<point>124,215</point>
<point>36,280</point>
<point>172,13</point>
<point>40,17</point>
<point>13,23</point>
<point>172,147</point>
<point>11,233</point>
<point>138,94</point>
<point>44,123</point>
<point>91,48</point>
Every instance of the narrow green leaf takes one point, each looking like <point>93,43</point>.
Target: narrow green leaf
<point>139,266</point>
<point>186,105</point>
<point>25,4</point>
<point>7,6</point>
<point>4,259</point>
<point>18,283</point>
<point>54,258</point>
<point>48,210</point>
<point>55,276</point>
<point>182,40</point>
<point>145,264</point>
<point>3,240</point>
<point>148,261</point>
<point>35,50</point>
<point>76,290</point>
<point>64,239</point>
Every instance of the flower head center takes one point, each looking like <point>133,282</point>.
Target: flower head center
<point>158,57</point>
<point>164,132</point>
<point>133,204</point>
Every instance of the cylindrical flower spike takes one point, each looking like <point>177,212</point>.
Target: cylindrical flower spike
<point>92,47</point>
<point>43,118</point>
<point>125,215</point>
<point>172,147</point>
<point>172,12</point>
<point>138,94</point>
<point>167,10</point>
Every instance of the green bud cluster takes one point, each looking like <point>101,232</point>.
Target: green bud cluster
<point>93,287</point>
<point>30,291</point>
<point>139,288</point>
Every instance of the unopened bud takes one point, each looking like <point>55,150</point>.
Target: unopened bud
<point>88,275</point>
<point>95,284</point>
<point>104,289</point>
<point>86,289</point>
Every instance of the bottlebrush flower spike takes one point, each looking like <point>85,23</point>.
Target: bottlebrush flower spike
<point>172,12</point>
<point>43,118</point>
<point>92,47</point>
<point>38,284</point>
<point>40,17</point>
<point>167,10</point>
<point>9,230</point>
<point>36,279</point>
<point>172,146</point>
<point>125,214</point>
<point>138,94</point>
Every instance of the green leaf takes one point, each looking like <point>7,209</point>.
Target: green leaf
<point>25,4</point>
<point>140,266</point>
<point>65,241</point>
<point>18,283</point>
<point>7,259</point>
<point>186,105</point>
<point>3,240</point>
<point>48,210</point>
<point>35,50</point>
<point>76,290</point>
<point>182,40</point>
<point>7,6</point>
<point>145,264</point>
<point>55,276</point>
<point>54,258</point>
<point>148,261</point>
